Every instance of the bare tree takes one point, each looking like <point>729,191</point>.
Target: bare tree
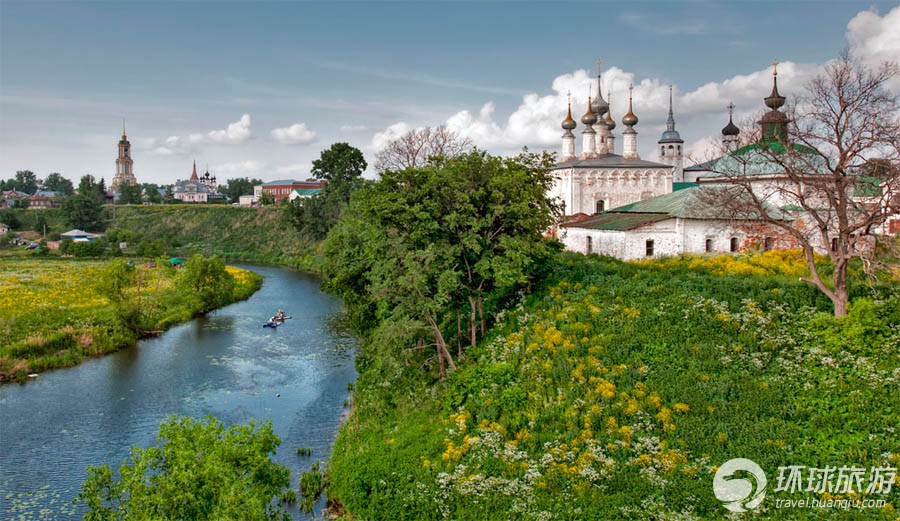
<point>418,146</point>
<point>825,173</point>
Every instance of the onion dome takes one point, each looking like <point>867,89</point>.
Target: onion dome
<point>589,117</point>
<point>610,124</point>
<point>670,135</point>
<point>599,106</point>
<point>568,124</point>
<point>630,119</point>
<point>775,100</point>
<point>730,129</point>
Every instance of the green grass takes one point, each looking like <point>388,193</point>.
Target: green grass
<point>616,390</point>
<point>51,314</point>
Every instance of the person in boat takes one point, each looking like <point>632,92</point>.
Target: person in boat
<point>279,315</point>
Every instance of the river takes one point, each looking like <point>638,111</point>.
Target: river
<point>225,364</point>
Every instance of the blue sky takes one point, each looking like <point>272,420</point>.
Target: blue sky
<point>181,73</point>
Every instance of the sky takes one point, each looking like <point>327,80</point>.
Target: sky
<point>260,89</point>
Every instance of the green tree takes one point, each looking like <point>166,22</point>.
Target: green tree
<point>9,218</point>
<point>429,243</point>
<point>238,186</point>
<point>342,167</point>
<point>208,280</point>
<point>26,181</point>
<point>199,470</point>
<point>55,182</point>
<point>151,193</point>
<point>266,199</point>
<point>40,221</point>
<point>82,211</point>
<point>114,281</point>
<point>65,246</point>
<point>130,194</point>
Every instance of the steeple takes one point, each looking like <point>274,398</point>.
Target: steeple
<point>194,174</point>
<point>670,135</point>
<point>568,139</point>
<point>610,125</point>
<point>123,129</point>
<point>629,135</point>
<point>774,123</point>
<point>599,106</point>
<point>589,135</point>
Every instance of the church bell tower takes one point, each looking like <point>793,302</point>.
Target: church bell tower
<point>124,164</point>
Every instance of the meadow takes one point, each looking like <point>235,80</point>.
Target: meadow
<point>52,313</point>
<point>616,390</point>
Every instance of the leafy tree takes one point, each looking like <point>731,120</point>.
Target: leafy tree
<point>238,186</point>
<point>208,280</point>
<point>55,182</point>
<point>82,211</point>
<point>21,203</point>
<point>40,221</point>
<point>199,470</point>
<point>26,182</point>
<point>86,249</point>
<point>151,193</point>
<point>115,280</point>
<point>340,162</point>
<point>342,167</point>
<point>130,194</point>
<point>65,247</point>
<point>266,198</point>
<point>9,218</point>
<point>430,242</point>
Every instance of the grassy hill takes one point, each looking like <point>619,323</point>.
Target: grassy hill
<point>616,391</point>
<point>238,234</point>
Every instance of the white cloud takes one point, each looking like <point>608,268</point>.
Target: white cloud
<point>237,132</point>
<point>295,134</point>
<point>875,39</point>
<point>240,168</point>
<point>294,169</point>
<point>382,138</point>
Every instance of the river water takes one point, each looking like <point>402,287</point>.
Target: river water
<point>224,364</point>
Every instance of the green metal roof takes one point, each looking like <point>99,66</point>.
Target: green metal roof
<point>756,160</point>
<point>307,191</point>
<point>688,203</point>
<point>619,221</point>
<point>682,186</point>
<point>868,187</point>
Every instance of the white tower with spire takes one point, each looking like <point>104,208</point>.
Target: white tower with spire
<point>671,146</point>
<point>589,135</point>
<point>568,139</point>
<point>629,135</point>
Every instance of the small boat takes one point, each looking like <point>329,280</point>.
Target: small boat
<point>273,324</point>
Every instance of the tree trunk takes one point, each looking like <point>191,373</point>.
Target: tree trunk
<point>481,313</point>
<point>458,334</point>
<point>473,333</point>
<point>840,297</point>
<point>440,345</point>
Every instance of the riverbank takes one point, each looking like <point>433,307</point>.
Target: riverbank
<point>53,314</point>
<point>615,390</point>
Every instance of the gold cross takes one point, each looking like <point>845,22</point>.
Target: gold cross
<point>775,68</point>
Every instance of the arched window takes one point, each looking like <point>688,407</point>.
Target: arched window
<point>600,206</point>
<point>671,148</point>
<point>649,247</point>
<point>834,244</point>
<point>768,243</point>
<point>734,244</point>
<point>679,149</point>
<point>662,150</point>
<point>590,245</point>
<point>709,245</point>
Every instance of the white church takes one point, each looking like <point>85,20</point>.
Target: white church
<point>627,207</point>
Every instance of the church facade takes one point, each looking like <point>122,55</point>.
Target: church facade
<point>124,165</point>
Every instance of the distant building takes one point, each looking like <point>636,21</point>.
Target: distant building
<point>124,165</point>
<point>283,188</point>
<point>191,190</point>
<point>42,202</point>
<point>302,193</point>
<point>3,228</point>
<point>79,235</point>
<point>247,200</point>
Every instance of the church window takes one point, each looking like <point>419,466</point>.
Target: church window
<point>600,205</point>
<point>768,243</point>
<point>834,244</point>
<point>590,245</point>
<point>734,244</point>
<point>671,148</point>
<point>709,245</point>
<point>649,247</point>
<point>662,150</point>
<point>679,149</point>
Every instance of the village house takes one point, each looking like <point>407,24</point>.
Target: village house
<point>284,188</point>
<point>3,228</point>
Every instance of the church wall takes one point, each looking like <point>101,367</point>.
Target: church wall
<point>616,187</point>
<point>626,245</point>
